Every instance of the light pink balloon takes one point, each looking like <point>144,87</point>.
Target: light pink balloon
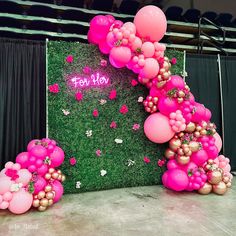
<point>9,165</point>
<point>16,166</point>
<point>157,128</point>
<point>199,157</point>
<point>150,69</point>
<point>130,26</point>
<point>7,196</point>
<point>136,44</point>
<point>150,22</point>
<point>159,46</point>
<point>120,55</point>
<point>117,24</point>
<point>167,105</point>
<point>39,184</point>
<point>104,47</point>
<point>32,143</point>
<point>1,199</point>
<point>39,152</point>
<point>21,202</point>
<point>148,49</point>
<point>24,177</point>
<point>23,159</point>
<point>5,184</point>
<point>59,190</point>
<point>57,157</point>
<point>218,141</point>
<point>4,205</point>
<point>175,82</point>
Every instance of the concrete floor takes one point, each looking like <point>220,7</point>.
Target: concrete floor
<point>142,211</point>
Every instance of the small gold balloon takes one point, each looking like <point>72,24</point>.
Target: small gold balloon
<point>166,75</point>
<point>162,70</point>
<point>48,188</point>
<point>184,146</point>
<point>41,194</point>
<point>211,125</point>
<point>36,203</point>
<point>190,127</point>
<point>42,208</point>
<point>188,153</point>
<point>183,160</point>
<point>205,189</point>
<point>63,178</point>
<point>210,161</point>
<point>59,177</point>
<point>203,132</point>
<point>180,100</point>
<point>186,150</point>
<point>220,188</point>
<point>228,185</point>
<point>226,179</point>
<point>194,146</point>
<point>180,151</point>
<point>59,171</point>
<point>181,94</point>
<point>214,176</point>
<point>198,128</point>
<point>51,170</point>
<point>197,134</point>
<point>55,175</point>
<point>47,176</point>
<point>174,144</point>
<point>169,154</point>
<point>213,131</point>
<point>181,134</point>
<point>49,195</point>
<point>50,202</point>
<point>44,202</point>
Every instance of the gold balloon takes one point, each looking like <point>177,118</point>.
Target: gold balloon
<point>204,124</point>
<point>220,188</point>
<point>181,94</point>
<point>186,150</point>
<point>203,132</point>
<point>198,128</point>
<point>51,170</point>
<point>197,134</point>
<point>50,202</point>
<point>48,176</point>
<point>169,154</point>
<point>181,134</point>
<point>180,151</point>
<point>180,100</point>
<point>59,177</point>
<point>48,188</point>
<point>229,184</point>
<point>55,175</point>
<point>41,194</point>
<point>42,208</point>
<point>226,179</point>
<point>44,202</point>
<point>155,100</point>
<point>214,176</point>
<point>63,178</point>
<point>59,171</point>
<point>210,161</point>
<point>183,160</point>
<point>194,146</point>
<point>184,145</point>
<point>205,189</point>
<point>174,144</point>
<point>188,153</point>
<point>49,195</point>
<point>36,203</point>
<point>190,127</point>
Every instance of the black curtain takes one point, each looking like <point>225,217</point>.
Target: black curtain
<point>203,79</point>
<point>22,95</point>
<point>228,72</point>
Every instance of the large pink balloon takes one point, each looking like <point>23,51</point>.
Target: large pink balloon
<point>218,141</point>
<point>32,143</point>
<point>39,184</point>
<point>39,152</point>
<point>5,184</point>
<point>24,177</point>
<point>104,47</point>
<point>136,44</point>
<point>150,69</point>
<point>199,157</point>
<point>175,82</point>
<point>57,157</point>
<point>94,38</point>
<point>120,55</point>
<point>199,114</point>
<point>157,128</point>
<point>167,105</point>
<point>21,202</point>
<point>150,22</point>
<point>23,159</point>
<point>59,190</point>
<point>100,25</point>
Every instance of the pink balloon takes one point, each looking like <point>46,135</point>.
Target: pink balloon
<point>199,157</point>
<point>130,26</point>
<point>59,190</point>
<point>1,199</point>
<point>57,157</point>
<point>159,46</point>
<point>16,166</point>
<point>150,69</point>
<point>167,105</point>
<point>191,98</point>
<point>110,18</point>
<point>110,39</point>
<point>100,25</point>
<point>104,47</point>
<point>176,180</point>
<point>39,184</point>
<point>136,44</point>
<point>93,38</point>
<point>148,49</point>
<point>117,24</point>
<point>189,167</point>
<point>23,159</point>
<point>157,128</point>
<point>4,205</point>
<point>7,196</point>
<point>207,114</point>
<point>172,164</point>
<point>165,179</point>
<point>175,82</point>
<point>150,22</point>
<point>115,63</point>
<point>9,165</point>
<point>120,55</point>
<point>42,170</point>
<point>39,152</point>
<point>32,168</point>
<point>24,177</point>
<point>32,143</point>
<point>5,184</point>
<point>218,141</point>
<point>155,92</point>
<point>212,152</point>
<point>199,114</point>
<point>21,202</point>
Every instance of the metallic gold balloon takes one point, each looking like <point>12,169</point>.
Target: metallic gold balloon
<point>59,171</point>
<point>229,184</point>
<point>47,176</point>
<point>186,150</point>
<point>50,202</point>
<point>198,128</point>
<point>205,189</point>
<point>226,179</point>
<point>197,134</point>
<point>183,160</point>
<point>181,134</point>
<point>155,100</point>
<point>188,153</point>
<point>214,176</point>
<point>162,70</point>
<point>190,127</point>
<point>210,161</point>
<point>44,202</point>
<point>181,94</point>
<point>51,170</point>
<point>48,188</point>
<point>184,145</point>
<point>49,195</point>
<point>204,124</point>
<point>174,144</point>
<point>194,146</point>
<point>36,203</point>
<point>41,194</point>
<point>55,175</point>
<point>203,132</point>
<point>220,188</point>
<point>63,178</point>
<point>169,154</point>
<point>180,151</point>
<point>42,208</point>
<point>180,100</point>
<point>59,177</point>
<point>213,131</point>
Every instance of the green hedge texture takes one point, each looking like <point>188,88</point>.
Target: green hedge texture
<point>70,131</point>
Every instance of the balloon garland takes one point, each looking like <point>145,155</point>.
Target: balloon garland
<point>33,180</point>
<point>175,117</point>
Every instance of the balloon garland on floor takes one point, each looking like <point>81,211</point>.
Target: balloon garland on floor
<point>175,117</point>
<point>33,180</point>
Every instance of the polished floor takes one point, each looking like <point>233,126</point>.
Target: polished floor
<point>142,211</point>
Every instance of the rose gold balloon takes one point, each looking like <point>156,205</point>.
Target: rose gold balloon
<point>44,202</point>
<point>49,195</point>
<point>226,179</point>
<point>184,145</point>
<point>42,208</point>
<point>214,176</point>
<point>59,172</point>
<point>204,124</point>
<point>59,177</point>
<point>183,160</point>
<point>48,188</point>
<point>36,203</point>
<point>220,188</point>
<point>198,128</point>
<point>186,150</point>
<point>48,176</point>
<point>194,146</point>
<point>181,134</point>
<point>205,189</point>
<point>169,154</point>
<point>41,194</point>
<point>180,151</point>
<point>197,134</point>
<point>211,125</point>
<point>174,144</point>
<point>55,175</point>
<point>229,184</point>
<point>190,127</point>
<point>188,153</point>
<point>213,131</point>
<point>51,170</point>
<point>50,202</point>
<point>210,161</point>
<point>63,178</point>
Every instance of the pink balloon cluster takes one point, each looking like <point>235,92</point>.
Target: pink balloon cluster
<point>177,121</point>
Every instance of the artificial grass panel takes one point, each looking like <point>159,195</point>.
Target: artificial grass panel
<point>69,131</point>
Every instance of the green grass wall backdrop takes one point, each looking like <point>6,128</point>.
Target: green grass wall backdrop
<point>123,162</point>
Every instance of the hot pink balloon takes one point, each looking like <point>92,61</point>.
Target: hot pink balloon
<point>212,152</point>
<point>199,157</point>
<point>207,114</point>
<point>150,69</point>
<point>21,202</point>
<point>199,114</point>
<point>110,18</point>
<point>157,128</point>
<point>175,82</point>
<point>120,55</point>
<point>39,184</point>
<point>110,39</point>
<point>148,49</point>
<point>5,184</point>
<point>104,47</point>
<point>165,179</point>
<point>32,143</point>
<point>42,170</point>
<point>57,157</point>
<point>100,25</point>
<point>150,22</point>
<point>167,105</point>
<point>39,152</point>
<point>172,164</point>
<point>23,159</point>
<point>59,190</point>
<point>93,38</point>
<point>115,63</point>
<point>218,141</point>
<point>24,177</point>
<point>117,24</point>
<point>189,167</point>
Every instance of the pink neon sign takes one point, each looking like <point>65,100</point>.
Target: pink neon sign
<point>82,82</point>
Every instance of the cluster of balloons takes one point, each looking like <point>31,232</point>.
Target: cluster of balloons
<point>33,179</point>
<point>193,154</point>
